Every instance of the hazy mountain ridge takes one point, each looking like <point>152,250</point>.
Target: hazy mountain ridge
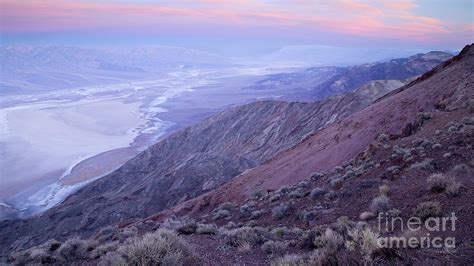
<point>320,82</point>
<point>31,68</point>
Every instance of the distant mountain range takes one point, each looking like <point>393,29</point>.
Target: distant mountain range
<point>33,68</point>
<point>321,55</point>
<point>320,82</point>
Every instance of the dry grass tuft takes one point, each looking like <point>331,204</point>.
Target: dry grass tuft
<point>428,209</point>
<point>162,247</point>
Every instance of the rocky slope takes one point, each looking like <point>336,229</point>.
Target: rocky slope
<point>409,154</point>
<point>321,82</point>
<point>446,88</point>
<point>189,163</point>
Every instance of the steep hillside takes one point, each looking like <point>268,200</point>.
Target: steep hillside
<point>407,155</point>
<point>320,82</point>
<point>189,163</point>
<point>446,88</point>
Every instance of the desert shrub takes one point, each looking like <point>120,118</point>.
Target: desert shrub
<point>275,197</point>
<point>207,229</point>
<point>220,214</point>
<point>349,174</point>
<point>297,193</point>
<point>342,225</point>
<point>330,240</point>
<point>436,146</point>
<point>426,164</point>
<point>187,227</point>
<point>247,208</point>
<point>331,195</point>
<point>103,249</point>
<point>306,239</point>
<point>468,121</point>
<point>461,169</point>
<point>393,169</point>
<point>316,258</point>
<point>130,231</point>
<point>51,245</point>
<point>76,249</point>
<point>251,223</point>
<point>280,211</point>
<point>107,233</point>
<point>226,206</point>
<point>468,132</point>
<point>162,247</point>
<point>280,231</point>
<point>366,216</point>
<point>42,256</point>
<point>230,225</point>
<point>442,183</point>
<point>171,224</point>
<point>316,193</point>
<point>237,236</point>
<point>438,182</point>
<point>384,189</point>
<point>383,138</point>
<point>316,176</point>
<point>401,151</point>
<point>307,215</point>
<point>453,189</point>
<point>291,260</point>
<point>365,240</point>
<point>428,209</point>
<point>244,247</point>
<point>256,214</point>
<point>380,203</point>
<point>336,183</point>
<point>426,144</point>
<point>112,259</point>
<point>273,247</point>
<point>302,184</point>
<point>282,190</point>
<point>452,129</point>
<point>258,194</point>
<point>338,169</point>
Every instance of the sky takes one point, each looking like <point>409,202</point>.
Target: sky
<point>240,26</point>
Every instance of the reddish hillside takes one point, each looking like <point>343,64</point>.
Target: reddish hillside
<point>409,155</point>
<point>446,88</point>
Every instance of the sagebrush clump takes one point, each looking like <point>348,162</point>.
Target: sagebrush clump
<point>380,203</point>
<point>443,183</point>
<point>162,247</point>
<point>273,247</point>
<point>76,249</point>
<point>280,211</point>
<point>428,209</point>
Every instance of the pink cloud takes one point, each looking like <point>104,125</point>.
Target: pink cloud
<point>391,19</point>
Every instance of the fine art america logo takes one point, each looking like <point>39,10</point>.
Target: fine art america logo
<point>418,233</point>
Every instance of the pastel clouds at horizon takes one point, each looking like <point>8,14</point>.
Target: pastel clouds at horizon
<point>384,19</point>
